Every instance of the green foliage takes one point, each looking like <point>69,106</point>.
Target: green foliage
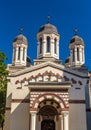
<point>3,84</point>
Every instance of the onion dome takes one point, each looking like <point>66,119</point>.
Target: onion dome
<point>48,28</point>
<point>77,40</point>
<point>20,39</point>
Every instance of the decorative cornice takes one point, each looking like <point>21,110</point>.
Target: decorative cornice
<point>77,101</point>
<point>46,64</point>
<point>20,100</point>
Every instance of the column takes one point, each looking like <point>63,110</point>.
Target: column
<point>61,117</point>
<point>52,47</point>
<point>80,55</point>
<point>25,55</point>
<point>33,121</point>
<point>21,54</point>
<point>71,57</point>
<point>83,55</point>
<point>75,50</point>
<point>65,121</point>
<point>13,58</point>
<point>61,122</point>
<point>44,46</point>
<point>16,58</point>
<point>38,49</point>
<point>56,123</point>
<point>57,48</point>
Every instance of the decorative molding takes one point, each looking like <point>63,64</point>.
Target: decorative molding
<point>20,100</point>
<point>77,101</point>
<point>65,78</point>
<point>60,99</point>
<point>46,73</point>
<point>47,64</point>
<point>80,83</point>
<point>17,81</point>
<point>73,81</point>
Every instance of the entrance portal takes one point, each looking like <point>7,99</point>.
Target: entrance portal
<point>48,111</point>
<point>48,125</point>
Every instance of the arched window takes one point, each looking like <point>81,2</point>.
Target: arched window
<point>48,45</point>
<point>55,46</point>
<point>73,58</point>
<point>40,48</point>
<point>78,54</point>
<point>19,53</point>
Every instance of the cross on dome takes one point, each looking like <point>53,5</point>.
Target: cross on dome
<point>48,17</point>
<point>76,31</point>
<point>21,30</point>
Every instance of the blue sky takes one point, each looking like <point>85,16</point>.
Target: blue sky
<point>66,15</point>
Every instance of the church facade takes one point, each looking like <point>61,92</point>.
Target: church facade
<point>48,95</point>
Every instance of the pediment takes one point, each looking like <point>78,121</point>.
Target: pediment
<point>53,66</point>
<point>47,72</point>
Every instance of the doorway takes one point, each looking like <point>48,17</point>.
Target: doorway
<point>48,125</point>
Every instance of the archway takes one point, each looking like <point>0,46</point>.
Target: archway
<point>49,111</point>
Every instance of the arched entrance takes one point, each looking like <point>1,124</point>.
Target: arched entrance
<point>48,125</point>
<point>49,111</point>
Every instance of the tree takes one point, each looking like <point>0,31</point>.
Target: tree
<point>3,85</point>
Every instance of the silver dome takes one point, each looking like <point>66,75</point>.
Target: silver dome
<point>21,39</point>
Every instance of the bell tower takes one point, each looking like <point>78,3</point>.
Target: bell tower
<point>20,51</point>
<point>77,58</point>
<point>48,42</point>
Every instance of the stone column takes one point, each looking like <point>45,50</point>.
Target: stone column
<point>16,58</point>
<point>57,49</point>
<point>83,55</point>
<point>65,121</point>
<point>61,122</point>
<point>21,54</point>
<point>33,121</point>
<point>25,55</point>
<point>52,47</point>
<point>75,53</point>
<point>71,56</point>
<point>80,55</point>
<point>44,46</point>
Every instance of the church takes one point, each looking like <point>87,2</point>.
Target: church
<point>48,95</point>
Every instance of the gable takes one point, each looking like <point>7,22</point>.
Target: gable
<point>49,71</point>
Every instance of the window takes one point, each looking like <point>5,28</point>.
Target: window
<point>55,46</point>
<point>19,53</point>
<point>78,54</point>
<point>48,45</point>
<point>40,49</point>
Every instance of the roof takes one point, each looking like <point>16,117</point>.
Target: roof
<point>77,40</point>
<point>48,28</point>
<point>20,39</point>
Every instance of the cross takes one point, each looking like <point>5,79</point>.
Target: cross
<point>48,17</point>
<point>21,30</point>
<point>76,31</point>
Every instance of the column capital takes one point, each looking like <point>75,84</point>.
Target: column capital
<point>33,120</point>
<point>33,112</point>
<point>65,112</point>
